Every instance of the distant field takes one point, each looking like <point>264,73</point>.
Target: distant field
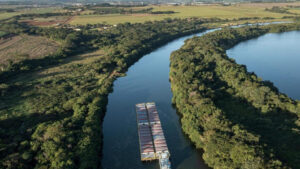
<point>23,47</point>
<point>230,12</point>
<point>295,10</point>
<point>29,10</point>
<point>49,21</point>
<point>8,15</point>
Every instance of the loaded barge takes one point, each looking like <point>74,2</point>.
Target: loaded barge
<point>152,141</point>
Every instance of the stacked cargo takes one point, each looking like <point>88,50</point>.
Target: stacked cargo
<point>145,136</point>
<point>159,140</point>
<point>152,113</point>
<point>141,112</point>
<point>152,140</point>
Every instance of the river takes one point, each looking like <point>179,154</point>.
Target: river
<point>274,57</point>
<point>146,81</point>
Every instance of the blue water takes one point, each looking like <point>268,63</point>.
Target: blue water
<point>274,57</point>
<point>147,80</point>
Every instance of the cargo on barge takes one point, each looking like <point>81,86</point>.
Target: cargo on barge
<point>152,141</point>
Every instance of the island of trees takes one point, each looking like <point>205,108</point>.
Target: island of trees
<point>239,120</point>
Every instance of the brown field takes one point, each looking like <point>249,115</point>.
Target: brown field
<point>18,48</point>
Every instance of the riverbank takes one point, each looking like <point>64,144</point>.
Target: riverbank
<point>57,121</point>
<point>282,49</point>
<point>146,80</point>
<point>140,85</point>
<point>236,118</point>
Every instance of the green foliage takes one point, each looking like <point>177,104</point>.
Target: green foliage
<point>125,10</point>
<point>54,120</point>
<point>26,155</point>
<point>238,120</point>
<point>118,10</point>
<point>278,9</point>
<point>2,34</point>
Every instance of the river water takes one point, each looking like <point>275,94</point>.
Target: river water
<point>274,57</point>
<point>146,81</point>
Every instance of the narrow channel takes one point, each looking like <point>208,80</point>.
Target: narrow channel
<point>146,81</point>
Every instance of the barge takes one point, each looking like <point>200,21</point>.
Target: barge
<point>152,141</point>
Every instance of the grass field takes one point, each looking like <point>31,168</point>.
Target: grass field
<point>29,10</point>
<point>18,48</point>
<point>295,10</point>
<point>230,12</point>
<point>8,15</point>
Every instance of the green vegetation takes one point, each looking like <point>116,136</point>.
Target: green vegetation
<point>2,34</point>
<point>52,103</point>
<point>122,10</point>
<point>51,118</point>
<point>238,120</point>
<point>14,49</point>
<point>277,9</point>
<point>118,10</point>
<point>69,39</point>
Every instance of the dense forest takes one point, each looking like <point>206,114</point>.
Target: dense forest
<point>54,121</point>
<point>239,120</point>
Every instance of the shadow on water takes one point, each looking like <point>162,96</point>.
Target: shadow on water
<point>194,160</point>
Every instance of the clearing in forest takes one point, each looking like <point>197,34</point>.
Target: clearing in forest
<point>17,48</point>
